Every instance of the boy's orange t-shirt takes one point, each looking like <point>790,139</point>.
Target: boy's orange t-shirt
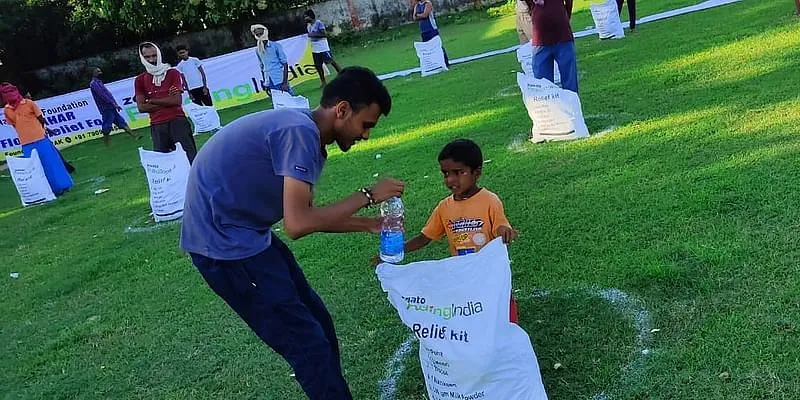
<point>25,120</point>
<point>469,224</point>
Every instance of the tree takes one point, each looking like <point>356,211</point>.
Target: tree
<point>170,16</point>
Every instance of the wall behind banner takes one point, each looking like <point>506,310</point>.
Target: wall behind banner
<point>234,79</point>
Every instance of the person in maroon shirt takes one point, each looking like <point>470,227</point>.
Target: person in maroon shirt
<point>158,93</point>
<point>553,41</point>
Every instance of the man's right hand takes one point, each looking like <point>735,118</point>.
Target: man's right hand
<point>386,189</point>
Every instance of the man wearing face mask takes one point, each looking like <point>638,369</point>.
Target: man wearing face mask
<point>158,93</point>
<point>257,171</point>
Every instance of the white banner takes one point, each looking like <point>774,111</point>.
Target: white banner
<point>233,79</point>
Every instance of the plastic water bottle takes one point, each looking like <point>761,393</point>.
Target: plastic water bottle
<point>392,231</point>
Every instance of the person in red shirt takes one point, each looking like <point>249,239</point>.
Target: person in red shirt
<point>553,41</point>
<point>158,93</point>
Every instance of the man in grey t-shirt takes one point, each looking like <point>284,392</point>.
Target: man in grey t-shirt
<point>257,171</point>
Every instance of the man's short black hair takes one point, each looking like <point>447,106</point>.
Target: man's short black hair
<point>358,86</point>
<point>182,47</point>
<point>310,13</point>
<point>464,151</point>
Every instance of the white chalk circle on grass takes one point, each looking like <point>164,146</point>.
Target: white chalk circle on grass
<point>627,305</point>
<point>146,224</point>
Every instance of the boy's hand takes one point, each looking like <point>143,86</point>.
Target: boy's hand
<point>374,224</point>
<point>386,189</point>
<point>375,261</point>
<point>507,233</point>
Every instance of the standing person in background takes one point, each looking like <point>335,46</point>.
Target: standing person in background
<point>27,119</point>
<point>632,11</point>
<point>423,12</point>
<point>553,41</point>
<point>797,5</point>
<point>273,61</point>
<point>524,22</point>
<point>108,107</point>
<point>194,77</point>
<point>320,48</point>
<point>158,93</point>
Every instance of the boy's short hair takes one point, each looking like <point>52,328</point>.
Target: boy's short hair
<point>182,47</point>
<point>464,151</point>
<point>310,13</point>
<point>358,86</point>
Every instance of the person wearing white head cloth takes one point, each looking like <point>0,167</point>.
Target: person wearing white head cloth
<point>158,93</point>
<point>272,60</point>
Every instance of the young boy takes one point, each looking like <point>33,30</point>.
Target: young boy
<point>194,77</point>
<point>473,216</point>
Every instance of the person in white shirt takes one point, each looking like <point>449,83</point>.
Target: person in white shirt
<point>320,49</point>
<point>194,77</point>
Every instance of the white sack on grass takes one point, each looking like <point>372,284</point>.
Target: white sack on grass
<point>281,99</point>
<point>167,175</point>
<point>556,113</point>
<point>204,118</point>
<point>30,180</point>
<point>606,20</point>
<point>458,308</point>
<point>431,56</point>
<point>525,58</point>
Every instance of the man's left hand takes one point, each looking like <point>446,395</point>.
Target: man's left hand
<point>285,86</point>
<point>175,90</point>
<point>507,233</point>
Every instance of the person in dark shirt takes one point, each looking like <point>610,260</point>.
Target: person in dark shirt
<point>553,41</point>
<point>261,169</point>
<point>108,107</point>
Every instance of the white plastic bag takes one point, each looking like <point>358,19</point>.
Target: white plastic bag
<point>167,175</point>
<point>458,308</point>
<point>431,56</point>
<point>606,20</point>
<point>525,58</point>
<point>204,118</point>
<point>30,180</point>
<point>281,99</point>
<point>556,113</point>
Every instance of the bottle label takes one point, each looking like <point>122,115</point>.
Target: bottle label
<point>392,242</point>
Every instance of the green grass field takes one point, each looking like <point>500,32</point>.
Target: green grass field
<point>689,201</point>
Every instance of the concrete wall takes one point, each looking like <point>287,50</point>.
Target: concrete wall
<point>339,15</point>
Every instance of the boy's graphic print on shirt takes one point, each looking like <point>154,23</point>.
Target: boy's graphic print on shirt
<point>467,235</point>
<point>469,224</point>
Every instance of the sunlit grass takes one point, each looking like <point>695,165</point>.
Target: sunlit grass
<point>690,201</point>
